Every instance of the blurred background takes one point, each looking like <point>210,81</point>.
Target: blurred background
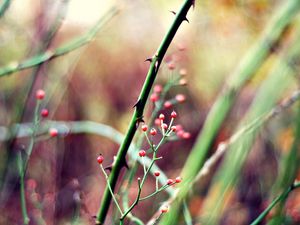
<point>100,82</point>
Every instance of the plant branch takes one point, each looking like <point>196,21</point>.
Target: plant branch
<point>139,107</point>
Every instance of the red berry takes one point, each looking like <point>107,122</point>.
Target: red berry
<point>154,97</point>
<point>40,94</point>
<point>44,112</point>
<point>53,132</point>
<point>157,122</point>
<point>180,98</point>
<point>156,173</point>
<point>186,135</point>
<point>153,131</point>
<point>173,128</point>
<point>178,180</point>
<point>174,114</point>
<point>164,126</point>
<point>171,66</point>
<point>157,88</point>
<point>100,159</point>
<point>167,104</point>
<point>164,209</point>
<point>161,116</point>
<point>142,153</point>
<point>180,133</point>
<point>144,127</point>
<point>170,181</point>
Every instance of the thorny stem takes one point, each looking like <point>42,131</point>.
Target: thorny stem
<point>140,105</point>
<point>280,198</point>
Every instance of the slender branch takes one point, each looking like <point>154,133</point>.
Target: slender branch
<point>140,105</point>
<point>4,6</point>
<point>280,198</point>
<point>60,51</point>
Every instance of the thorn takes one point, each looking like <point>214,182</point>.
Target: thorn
<point>149,60</point>
<point>138,121</point>
<point>137,104</point>
<point>173,12</point>
<point>185,19</point>
<point>108,168</point>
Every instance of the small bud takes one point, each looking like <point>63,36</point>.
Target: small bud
<point>157,122</point>
<point>53,132</point>
<point>170,181</point>
<point>164,126</point>
<point>173,128</point>
<point>144,128</point>
<point>156,173</point>
<point>178,180</point>
<point>180,98</point>
<point>44,112</point>
<point>157,88</point>
<point>183,72</point>
<point>164,209</point>
<point>174,114</point>
<point>186,135</point>
<point>153,131</point>
<point>167,104</point>
<point>40,94</point>
<point>154,97</point>
<point>182,82</point>
<point>171,66</point>
<point>142,153</point>
<point>180,133</point>
<point>100,159</point>
<point>161,116</point>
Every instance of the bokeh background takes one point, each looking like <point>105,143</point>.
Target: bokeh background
<point>100,82</point>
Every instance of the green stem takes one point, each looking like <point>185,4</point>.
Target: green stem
<point>62,50</point>
<point>4,6</point>
<point>139,109</point>
<point>280,198</point>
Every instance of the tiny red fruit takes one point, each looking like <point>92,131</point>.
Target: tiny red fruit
<point>173,128</point>
<point>186,135</point>
<point>167,104</point>
<point>171,66</point>
<point>100,159</point>
<point>164,126</point>
<point>142,153</point>
<point>154,97</point>
<point>170,181</point>
<point>164,209</point>
<point>153,131</point>
<point>157,122</point>
<point>40,94</point>
<point>44,112</point>
<point>161,116</point>
<point>53,132</point>
<point>157,88</point>
<point>144,128</point>
<point>180,98</point>
<point>156,173</point>
<point>178,180</point>
<point>174,114</point>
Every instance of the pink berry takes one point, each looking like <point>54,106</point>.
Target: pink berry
<point>170,181</point>
<point>100,159</point>
<point>164,209</point>
<point>182,82</point>
<point>157,122</point>
<point>161,116</point>
<point>178,180</point>
<point>183,72</point>
<point>180,98</point>
<point>156,173</point>
<point>153,131</point>
<point>157,88</point>
<point>144,128</point>
<point>171,66</point>
<point>180,133</point>
<point>164,126</point>
<point>142,153</point>
<point>167,104</point>
<point>154,97</point>
<point>174,114</point>
<point>44,112</point>
<point>53,132</point>
<point>173,128</point>
<point>40,94</point>
<point>186,135</point>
